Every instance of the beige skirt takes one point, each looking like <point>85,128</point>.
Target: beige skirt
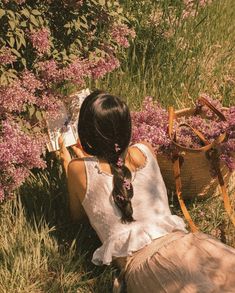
<point>180,262</point>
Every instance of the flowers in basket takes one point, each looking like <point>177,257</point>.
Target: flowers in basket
<point>152,122</point>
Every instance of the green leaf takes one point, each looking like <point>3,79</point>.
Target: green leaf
<point>11,14</point>
<point>67,25</point>
<point>39,115</point>
<point>18,42</point>
<point>34,20</point>
<point>31,110</point>
<point>23,23</point>
<point>2,13</point>
<point>12,24</point>
<point>23,61</point>
<point>15,52</point>
<point>102,2</point>
<point>36,129</point>
<point>11,41</point>
<point>36,12</point>
<point>25,12</point>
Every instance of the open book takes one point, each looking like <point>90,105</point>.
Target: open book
<point>66,123</point>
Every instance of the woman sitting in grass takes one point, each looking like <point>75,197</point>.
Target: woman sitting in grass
<point>122,192</point>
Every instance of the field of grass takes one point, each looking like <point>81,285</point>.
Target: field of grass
<point>172,59</point>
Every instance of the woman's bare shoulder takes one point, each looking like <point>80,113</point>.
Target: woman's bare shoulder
<point>136,156</point>
<point>76,166</point>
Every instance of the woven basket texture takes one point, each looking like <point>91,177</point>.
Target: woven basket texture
<point>195,171</point>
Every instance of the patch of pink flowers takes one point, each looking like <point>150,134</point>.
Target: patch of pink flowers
<point>151,124</point>
<point>77,71</point>
<point>19,152</point>
<point>191,7</point>
<point>120,34</point>
<point>40,40</point>
<point>6,56</point>
<point>104,65</point>
<point>49,72</point>
<point>13,98</point>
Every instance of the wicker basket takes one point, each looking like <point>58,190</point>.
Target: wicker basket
<point>187,173</point>
<point>195,171</point>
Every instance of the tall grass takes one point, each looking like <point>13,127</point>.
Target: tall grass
<point>172,59</point>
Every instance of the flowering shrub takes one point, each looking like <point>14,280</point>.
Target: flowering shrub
<point>151,124</point>
<point>46,48</point>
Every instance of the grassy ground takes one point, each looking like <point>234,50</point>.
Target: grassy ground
<point>173,60</point>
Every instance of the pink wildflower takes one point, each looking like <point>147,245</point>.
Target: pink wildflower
<point>19,152</point>
<point>77,71</point>
<point>14,96</point>
<point>49,71</point>
<point>103,66</point>
<point>120,162</point>
<point>120,35</point>
<point>117,148</point>
<point>127,184</point>
<point>6,56</point>
<point>40,40</point>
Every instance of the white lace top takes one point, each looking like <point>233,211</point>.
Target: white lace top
<point>151,211</point>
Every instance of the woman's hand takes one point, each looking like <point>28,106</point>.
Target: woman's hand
<point>78,150</point>
<point>64,154</point>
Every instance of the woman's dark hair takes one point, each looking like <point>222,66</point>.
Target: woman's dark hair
<point>104,129</point>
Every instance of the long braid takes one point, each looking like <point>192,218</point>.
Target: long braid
<point>122,189</point>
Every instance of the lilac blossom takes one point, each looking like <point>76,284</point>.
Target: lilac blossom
<point>19,152</point>
<point>40,40</point>
<point>77,71</point>
<point>120,34</point>
<point>13,98</point>
<point>50,72</point>
<point>103,65</point>
<point>6,56</point>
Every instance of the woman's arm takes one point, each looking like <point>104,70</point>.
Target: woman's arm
<point>76,189</point>
<point>74,172</point>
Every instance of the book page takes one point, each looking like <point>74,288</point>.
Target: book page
<point>66,123</point>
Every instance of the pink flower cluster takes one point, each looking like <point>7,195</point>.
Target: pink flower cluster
<point>151,124</point>
<point>13,98</point>
<point>40,40</point>
<point>6,56</point>
<point>49,72</point>
<point>104,65</point>
<point>19,152</point>
<point>191,7</point>
<point>22,91</point>
<point>50,103</point>
<point>77,71</point>
<point>121,33</point>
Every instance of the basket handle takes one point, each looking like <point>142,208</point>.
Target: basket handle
<point>207,145</point>
<point>205,102</point>
<point>178,185</point>
<point>195,131</point>
<point>213,156</point>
